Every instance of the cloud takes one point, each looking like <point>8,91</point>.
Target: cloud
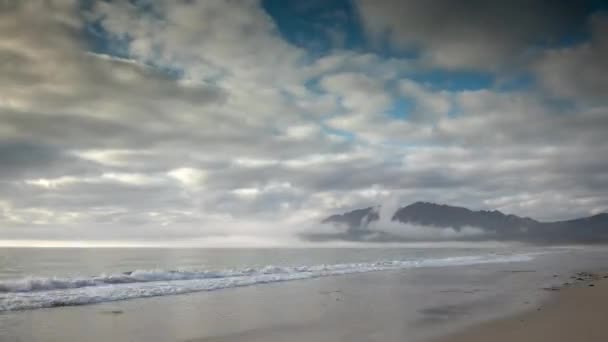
<point>411,232</point>
<point>358,93</point>
<point>188,177</point>
<point>203,39</point>
<point>472,35</point>
<point>579,72</point>
<point>188,120</point>
<point>22,158</point>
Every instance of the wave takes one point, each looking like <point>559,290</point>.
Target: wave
<point>43,292</point>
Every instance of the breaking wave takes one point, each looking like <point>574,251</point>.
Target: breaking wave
<point>43,292</point>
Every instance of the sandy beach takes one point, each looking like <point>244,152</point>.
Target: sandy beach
<point>464,303</point>
<point>575,313</point>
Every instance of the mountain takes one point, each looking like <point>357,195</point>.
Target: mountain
<point>356,220</point>
<point>490,225</point>
<point>443,216</point>
<point>592,229</point>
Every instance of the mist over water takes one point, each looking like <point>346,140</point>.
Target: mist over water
<point>415,232</point>
<point>387,209</point>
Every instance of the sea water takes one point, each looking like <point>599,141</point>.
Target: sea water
<point>42,278</point>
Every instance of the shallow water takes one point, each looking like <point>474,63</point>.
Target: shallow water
<point>48,262</point>
<point>41,278</point>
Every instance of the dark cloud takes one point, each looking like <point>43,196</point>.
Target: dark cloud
<point>22,158</point>
<point>471,34</point>
<point>579,72</point>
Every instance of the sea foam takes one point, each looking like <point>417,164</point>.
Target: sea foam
<point>43,292</point>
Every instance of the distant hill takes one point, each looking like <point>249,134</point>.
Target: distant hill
<point>495,225</point>
<point>356,221</point>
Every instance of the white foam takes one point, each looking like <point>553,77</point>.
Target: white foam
<point>36,292</point>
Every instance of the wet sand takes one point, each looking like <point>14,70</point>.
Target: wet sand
<point>575,313</point>
<point>378,306</point>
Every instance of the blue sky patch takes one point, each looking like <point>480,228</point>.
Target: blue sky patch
<point>318,26</point>
<point>453,80</point>
<point>400,108</point>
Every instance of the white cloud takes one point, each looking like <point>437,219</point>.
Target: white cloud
<point>426,233</point>
<point>358,93</point>
<point>301,132</point>
<point>246,192</point>
<point>428,105</point>
<point>136,179</point>
<point>110,157</point>
<point>189,177</point>
<point>51,183</point>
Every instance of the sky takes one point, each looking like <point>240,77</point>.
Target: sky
<point>247,122</point>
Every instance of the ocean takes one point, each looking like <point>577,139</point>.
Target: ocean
<point>436,276</point>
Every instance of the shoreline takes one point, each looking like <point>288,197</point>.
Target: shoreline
<point>419,304</point>
<point>575,312</point>
<point>376,306</point>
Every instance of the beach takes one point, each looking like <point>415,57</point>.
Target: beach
<point>577,313</point>
<point>413,304</point>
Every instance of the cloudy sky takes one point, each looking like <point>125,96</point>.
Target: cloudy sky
<point>247,121</point>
